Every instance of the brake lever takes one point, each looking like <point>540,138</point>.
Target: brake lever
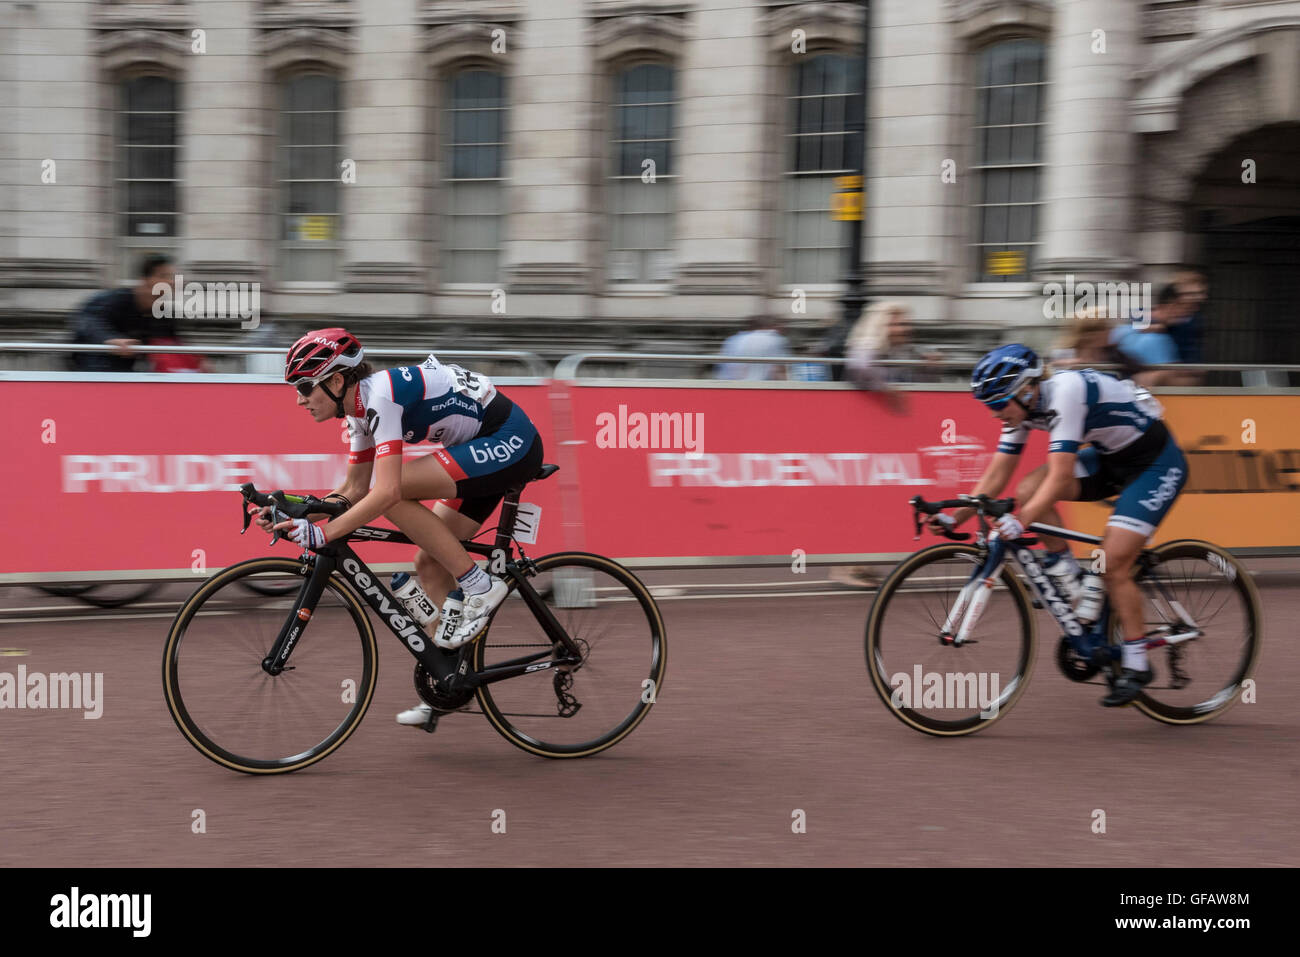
<point>275,520</point>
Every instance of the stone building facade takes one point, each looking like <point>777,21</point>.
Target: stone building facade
<point>649,173</point>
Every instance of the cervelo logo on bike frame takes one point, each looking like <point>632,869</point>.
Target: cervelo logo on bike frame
<point>950,689</point>
<point>1167,489</point>
<point>501,451</point>
<point>399,623</point>
<point>1060,608</point>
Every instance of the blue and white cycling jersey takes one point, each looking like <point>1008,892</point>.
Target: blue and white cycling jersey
<point>1086,406</point>
<point>430,402</point>
<point>1132,455</point>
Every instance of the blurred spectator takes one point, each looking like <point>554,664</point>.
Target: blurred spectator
<point>1147,341</point>
<point>810,371</point>
<point>1088,342</point>
<point>760,337</point>
<point>120,317</point>
<point>163,333</point>
<point>884,331</point>
<point>835,341</point>
<point>1189,333</point>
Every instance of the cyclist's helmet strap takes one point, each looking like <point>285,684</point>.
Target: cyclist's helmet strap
<point>1000,375</point>
<point>321,353</point>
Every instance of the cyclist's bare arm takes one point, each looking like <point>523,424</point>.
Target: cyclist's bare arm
<point>386,492</point>
<point>1055,486</point>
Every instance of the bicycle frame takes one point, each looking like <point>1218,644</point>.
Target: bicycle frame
<point>450,668</point>
<point>969,606</point>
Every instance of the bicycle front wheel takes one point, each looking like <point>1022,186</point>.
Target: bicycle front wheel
<point>936,687</point>
<point>1202,677</point>
<point>235,713</point>
<point>580,710</point>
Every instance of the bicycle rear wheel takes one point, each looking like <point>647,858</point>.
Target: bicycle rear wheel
<point>1202,677</point>
<point>939,688</point>
<point>229,708</point>
<point>578,711</point>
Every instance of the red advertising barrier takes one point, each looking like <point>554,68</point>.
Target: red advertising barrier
<point>103,476</point>
<point>743,472</point>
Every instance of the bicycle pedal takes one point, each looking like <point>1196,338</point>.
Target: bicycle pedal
<point>432,724</point>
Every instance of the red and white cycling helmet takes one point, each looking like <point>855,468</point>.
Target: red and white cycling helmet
<point>321,353</point>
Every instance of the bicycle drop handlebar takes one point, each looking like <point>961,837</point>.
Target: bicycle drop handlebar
<point>285,505</point>
<point>984,507</point>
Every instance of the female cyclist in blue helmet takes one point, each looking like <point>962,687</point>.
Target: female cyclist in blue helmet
<point>1107,439</point>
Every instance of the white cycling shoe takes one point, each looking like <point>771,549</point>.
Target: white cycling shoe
<point>417,716</point>
<point>474,615</point>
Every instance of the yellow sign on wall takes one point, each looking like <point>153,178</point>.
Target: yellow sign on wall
<point>316,227</point>
<point>1004,262</point>
<point>847,200</point>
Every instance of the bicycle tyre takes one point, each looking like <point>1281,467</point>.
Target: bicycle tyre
<point>1243,587</point>
<point>191,728</point>
<point>499,717</point>
<point>875,642</point>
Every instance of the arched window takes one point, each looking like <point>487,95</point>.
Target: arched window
<point>640,204</point>
<point>474,177</point>
<point>308,175</point>
<point>147,193</point>
<point>822,88</point>
<point>1010,88</point>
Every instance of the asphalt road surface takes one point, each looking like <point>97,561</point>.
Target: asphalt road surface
<point>767,710</point>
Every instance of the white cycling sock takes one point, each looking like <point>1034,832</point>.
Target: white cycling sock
<point>475,581</point>
<point>1135,654</point>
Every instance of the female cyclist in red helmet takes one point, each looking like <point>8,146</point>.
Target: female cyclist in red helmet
<point>488,442</point>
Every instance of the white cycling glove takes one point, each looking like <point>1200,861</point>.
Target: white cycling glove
<point>1009,528</point>
<point>306,534</point>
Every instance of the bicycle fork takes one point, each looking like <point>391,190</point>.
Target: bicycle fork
<point>972,599</point>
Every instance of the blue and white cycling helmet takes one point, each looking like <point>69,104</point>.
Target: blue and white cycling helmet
<point>1003,373</point>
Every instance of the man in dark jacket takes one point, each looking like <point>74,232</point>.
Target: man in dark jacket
<point>120,317</point>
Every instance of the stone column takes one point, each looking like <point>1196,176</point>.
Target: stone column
<point>1087,191</point>
<point>382,210</point>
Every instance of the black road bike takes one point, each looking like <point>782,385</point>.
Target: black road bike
<point>951,635</point>
<point>570,663</point>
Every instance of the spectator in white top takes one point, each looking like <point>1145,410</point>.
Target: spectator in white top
<point>761,337</point>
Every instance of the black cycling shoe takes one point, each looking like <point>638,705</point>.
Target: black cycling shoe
<point>1127,687</point>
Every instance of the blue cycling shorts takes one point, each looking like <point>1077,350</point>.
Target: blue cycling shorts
<point>486,467</point>
<point>1146,490</point>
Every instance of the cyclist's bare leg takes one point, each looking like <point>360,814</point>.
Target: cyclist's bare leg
<point>1028,486</point>
<point>425,478</point>
<point>435,579</point>
<point>1121,547</point>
